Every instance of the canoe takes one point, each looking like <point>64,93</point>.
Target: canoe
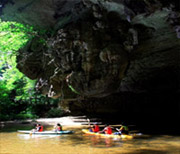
<point>45,132</point>
<point>123,136</point>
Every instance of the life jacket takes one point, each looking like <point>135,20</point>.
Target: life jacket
<point>59,128</point>
<point>40,128</point>
<point>108,130</point>
<point>96,128</point>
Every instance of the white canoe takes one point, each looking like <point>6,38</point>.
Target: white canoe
<point>45,132</point>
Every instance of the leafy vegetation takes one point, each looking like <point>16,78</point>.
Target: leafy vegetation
<point>18,99</point>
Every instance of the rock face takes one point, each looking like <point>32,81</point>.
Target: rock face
<point>87,54</point>
<point>102,50</point>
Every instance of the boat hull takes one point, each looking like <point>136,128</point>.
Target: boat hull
<point>86,131</point>
<point>45,132</point>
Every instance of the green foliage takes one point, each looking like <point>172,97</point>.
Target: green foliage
<point>55,112</point>
<point>23,116</point>
<point>18,98</point>
<point>5,101</point>
<point>14,35</point>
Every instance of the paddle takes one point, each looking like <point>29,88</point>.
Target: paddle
<point>90,127</point>
<point>89,122</point>
<point>32,132</point>
<point>118,129</point>
<point>118,125</point>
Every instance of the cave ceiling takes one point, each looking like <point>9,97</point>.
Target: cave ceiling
<point>99,47</point>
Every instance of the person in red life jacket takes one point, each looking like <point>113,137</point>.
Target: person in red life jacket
<point>39,128</point>
<point>107,129</point>
<point>58,127</point>
<point>95,128</point>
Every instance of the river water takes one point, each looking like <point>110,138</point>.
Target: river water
<point>78,143</point>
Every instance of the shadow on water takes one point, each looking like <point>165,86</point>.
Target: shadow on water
<point>13,128</point>
<point>147,151</point>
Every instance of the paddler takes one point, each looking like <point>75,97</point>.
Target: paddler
<point>39,128</point>
<point>58,127</point>
<point>107,129</point>
<point>122,130</point>
<point>95,128</point>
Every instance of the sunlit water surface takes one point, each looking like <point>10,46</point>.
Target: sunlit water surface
<point>79,143</point>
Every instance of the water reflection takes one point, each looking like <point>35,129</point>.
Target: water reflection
<point>99,142</point>
<point>27,136</point>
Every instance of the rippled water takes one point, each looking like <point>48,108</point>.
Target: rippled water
<point>79,143</point>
